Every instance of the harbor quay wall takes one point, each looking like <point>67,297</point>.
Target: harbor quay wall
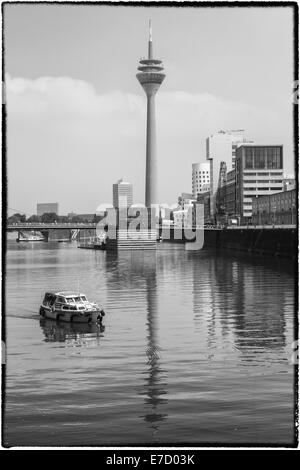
<point>273,241</point>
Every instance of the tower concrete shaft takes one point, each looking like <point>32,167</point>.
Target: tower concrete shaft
<point>150,78</point>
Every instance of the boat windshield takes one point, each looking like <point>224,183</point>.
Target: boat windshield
<point>71,300</point>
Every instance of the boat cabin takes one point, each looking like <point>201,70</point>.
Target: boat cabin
<point>65,300</point>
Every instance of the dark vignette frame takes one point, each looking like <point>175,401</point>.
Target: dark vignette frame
<point>158,4</point>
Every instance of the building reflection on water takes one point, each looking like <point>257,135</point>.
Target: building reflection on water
<point>72,334</point>
<point>240,302</point>
<point>130,268</point>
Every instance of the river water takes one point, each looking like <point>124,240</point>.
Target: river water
<point>196,349</point>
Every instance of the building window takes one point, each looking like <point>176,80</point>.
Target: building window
<point>249,158</point>
<point>274,158</point>
<point>259,158</point>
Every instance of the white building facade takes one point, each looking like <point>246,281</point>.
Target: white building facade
<point>183,218</point>
<point>122,194</point>
<point>200,178</point>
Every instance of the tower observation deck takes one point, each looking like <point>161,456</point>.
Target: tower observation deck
<point>150,77</point>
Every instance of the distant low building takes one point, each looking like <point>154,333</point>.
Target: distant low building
<point>275,209</point>
<point>83,217</point>
<point>46,208</point>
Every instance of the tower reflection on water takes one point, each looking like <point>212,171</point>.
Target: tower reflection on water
<point>137,270</point>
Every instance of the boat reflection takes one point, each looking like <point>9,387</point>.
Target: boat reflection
<point>72,334</point>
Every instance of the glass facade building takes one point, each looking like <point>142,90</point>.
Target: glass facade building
<point>259,158</point>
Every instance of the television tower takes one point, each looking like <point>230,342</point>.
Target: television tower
<point>150,77</point>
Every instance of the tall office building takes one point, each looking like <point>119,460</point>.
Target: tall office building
<point>259,172</point>
<point>122,194</point>
<point>222,147</point>
<point>200,178</point>
<point>46,208</point>
<point>150,77</point>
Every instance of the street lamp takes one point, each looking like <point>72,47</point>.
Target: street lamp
<point>293,207</point>
<point>274,214</point>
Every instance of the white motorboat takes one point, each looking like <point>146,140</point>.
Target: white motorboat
<point>70,307</point>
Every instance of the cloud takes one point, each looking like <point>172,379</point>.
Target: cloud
<point>68,143</point>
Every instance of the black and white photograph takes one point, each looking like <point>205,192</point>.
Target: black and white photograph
<point>149,227</point>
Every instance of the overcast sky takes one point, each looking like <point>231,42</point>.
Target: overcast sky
<point>77,114</point>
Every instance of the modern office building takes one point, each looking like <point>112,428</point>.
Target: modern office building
<point>226,196</point>
<point>230,194</point>
<point>200,178</point>
<point>275,209</point>
<point>122,194</point>
<point>221,194</point>
<point>151,77</point>
<point>259,172</point>
<point>46,208</point>
<point>203,198</point>
<point>222,147</point>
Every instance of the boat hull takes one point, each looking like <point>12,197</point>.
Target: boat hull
<point>94,316</point>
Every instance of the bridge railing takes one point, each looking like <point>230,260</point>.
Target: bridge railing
<point>52,225</point>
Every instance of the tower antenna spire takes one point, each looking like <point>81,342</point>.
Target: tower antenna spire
<point>150,47</point>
